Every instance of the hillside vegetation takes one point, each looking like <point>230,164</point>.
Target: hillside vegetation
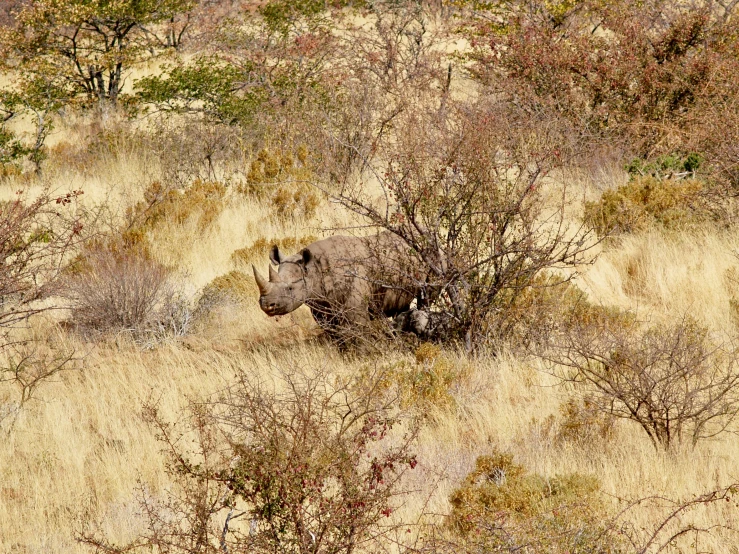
<point>563,178</point>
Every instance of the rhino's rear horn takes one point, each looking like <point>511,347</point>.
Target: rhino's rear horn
<point>274,277</point>
<point>262,283</point>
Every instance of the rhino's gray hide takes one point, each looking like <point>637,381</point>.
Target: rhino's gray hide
<point>343,279</point>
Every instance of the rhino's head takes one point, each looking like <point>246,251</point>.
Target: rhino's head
<point>287,288</point>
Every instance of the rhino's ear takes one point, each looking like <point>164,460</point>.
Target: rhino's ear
<point>274,255</point>
<point>307,256</point>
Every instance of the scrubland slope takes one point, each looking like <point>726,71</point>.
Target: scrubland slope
<point>356,119</point>
<point>82,448</point>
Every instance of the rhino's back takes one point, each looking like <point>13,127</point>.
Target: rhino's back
<point>357,273</point>
<point>340,270</point>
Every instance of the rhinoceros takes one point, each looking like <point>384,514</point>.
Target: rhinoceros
<point>342,279</point>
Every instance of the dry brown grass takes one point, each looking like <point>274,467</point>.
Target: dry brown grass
<point>79,451</point>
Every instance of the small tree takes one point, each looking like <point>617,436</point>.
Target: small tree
<point>36,236</point>
<point>87,45</point>
<point>309,464</point>
<point>39,97</point>
<point>472,196</point>
<point>674,381</point>
<point>272,58</point>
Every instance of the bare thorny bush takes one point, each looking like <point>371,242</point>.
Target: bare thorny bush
<point>308,463</point>
<point>475,196</point>
<point>37,233</point>
<point>119,288</point>
<point>676,381</point>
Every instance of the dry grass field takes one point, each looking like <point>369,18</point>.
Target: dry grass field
<point>202,197</point>
<point>80,450</point>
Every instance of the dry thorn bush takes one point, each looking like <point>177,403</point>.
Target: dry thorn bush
<point>470,197</point>
<point>645,75</point>
<point>308,463</point>
<point>28,361</point>
<point>673,380</point>
<point>114,288</point>
<point>191,150</point>
<point>38,234</point>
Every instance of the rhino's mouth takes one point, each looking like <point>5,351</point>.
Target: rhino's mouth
<point>272,308</point>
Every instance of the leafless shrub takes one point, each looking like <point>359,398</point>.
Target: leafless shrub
<point>472,196</point>
<point>675,527</point>
<point>36,237</point>
<point>388,65</point>
<point>28,362</point>
<point>190,150</point>
<point>308,464</point>
<point>114,288</point>
<point>674,380</point>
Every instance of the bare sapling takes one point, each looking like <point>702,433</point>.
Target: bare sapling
<point>476,197</point>
<point>674,380</point>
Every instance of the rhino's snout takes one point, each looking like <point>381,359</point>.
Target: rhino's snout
<point>269,307</point>
<point>278,305</point>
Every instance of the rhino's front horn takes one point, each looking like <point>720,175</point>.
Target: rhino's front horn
<point>262,283</point>
<point>274,277</point>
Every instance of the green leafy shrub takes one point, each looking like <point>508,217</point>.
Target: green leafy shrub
<point>501,507</point>
<point>665,166</point>
<point>82,52</point>
<point>11,150</point>
<point>647,201</point>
